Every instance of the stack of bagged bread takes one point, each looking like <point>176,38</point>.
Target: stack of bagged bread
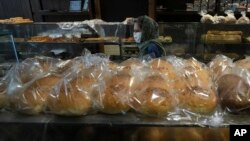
<point>222,37</point>
<point>229,19</point>
<point>233,86</point>
<point>195,91</point>
<point>159,87</point>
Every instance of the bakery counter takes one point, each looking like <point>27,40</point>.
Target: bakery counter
<point>129,119</point>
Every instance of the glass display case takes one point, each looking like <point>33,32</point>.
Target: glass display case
<point>67,40</point>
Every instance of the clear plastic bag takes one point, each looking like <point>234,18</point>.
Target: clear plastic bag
<point>219,19</point>
<point>127,65</point>
<point>230,18</point>
<point>234,91</point>
<point>71,96</point>
<point>164,67</point>
<point>219,66</point>
<point>194,89</point>
<point>31,83</point>
<point>206,18</point>
<point>114,96</point>
<point>153,95</point>
<point>243,19</point>
<point>76,94</point>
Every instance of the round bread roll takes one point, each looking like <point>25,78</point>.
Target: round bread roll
<point>195,90</point>
<point>114,98</point>
<point>207,18</point>
<point>153,97</point>
<point>127,65</point>
<point>34,97</point>
<point>163,67</point>
<point>198,100</point>
<point>194,74</point>
<point>220,65</point>
<point>219,19</point>
<point>72,98</point>
<point>230,19</point>
<point>234,93</point>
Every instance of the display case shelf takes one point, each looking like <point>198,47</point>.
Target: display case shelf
<point>129,119</point>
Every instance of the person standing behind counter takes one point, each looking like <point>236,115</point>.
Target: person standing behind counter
<point>146,33</point>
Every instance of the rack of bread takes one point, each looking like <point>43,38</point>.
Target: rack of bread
<point>171,88</point>
<point>222,37</point>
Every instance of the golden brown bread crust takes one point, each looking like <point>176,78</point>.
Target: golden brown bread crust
<point>194,89</point>
<point>220,66</point>
<point>153,97</point>
<point>163,67</point>
<point>114,98</point>
<point>73,98</point>
<point>127,65</point>
<point>234,93</point>
<point>198,100</point>
<point>34,97</point>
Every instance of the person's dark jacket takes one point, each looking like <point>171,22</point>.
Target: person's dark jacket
<point>150,33</point>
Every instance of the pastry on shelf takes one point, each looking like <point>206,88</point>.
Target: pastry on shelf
<point>222,37</point>
<point>165,39</point>
<point>16,20</point>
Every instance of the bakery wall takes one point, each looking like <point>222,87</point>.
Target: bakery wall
<point>15,8</point>
<point>118,10</point>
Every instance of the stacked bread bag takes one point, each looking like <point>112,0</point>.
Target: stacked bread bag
<point>75,94</point>
<point>118,86</point>
<point>194,89</point>
<point>30,84</point>
<point>233,87</point>
<point>153,94</point>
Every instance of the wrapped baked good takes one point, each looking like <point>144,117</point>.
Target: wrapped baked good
<point>77,94</point>
<point>164,67</point>
<point>243,19</point>
<point>233,90</point>
<point>30,83</point>
<point>230,18</point>
<point>195,90</point>
<point>206,18</point>
<point>127,65</point>
<point>153,96</point>
<point>219,66</point>
<point>31,97</point>
<point>114,97</point>
<point>72,95</point>
<point>219,19</point>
